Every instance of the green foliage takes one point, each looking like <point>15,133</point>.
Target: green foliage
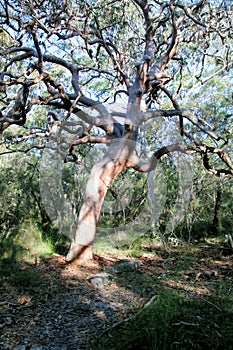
<point>21,208</point>
<point>19,191</point>
<point>124,200</point>
<point>26,231</point>
<point>28,243</point>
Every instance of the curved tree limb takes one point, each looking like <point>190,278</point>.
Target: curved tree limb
<point>142,166</point>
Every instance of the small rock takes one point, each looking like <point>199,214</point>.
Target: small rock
<point>124,265</point>
<point>101,280</point>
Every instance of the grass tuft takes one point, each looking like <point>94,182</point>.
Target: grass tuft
<point>173,321</point>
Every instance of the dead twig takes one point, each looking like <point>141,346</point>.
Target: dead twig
<point>128,319</point>
<point>182,323</point>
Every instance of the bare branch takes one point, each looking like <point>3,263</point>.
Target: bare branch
<point>136,163</point>
<point>37,46</point>
<point>195,120</point>
<point>17,114</point>
<point>88,139</point>
<point>156,71</point>
<point>216,172</point>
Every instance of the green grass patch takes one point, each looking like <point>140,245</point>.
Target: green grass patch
<point>174,321</point>
<point>28,242</point>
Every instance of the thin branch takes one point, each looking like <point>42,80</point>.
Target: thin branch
<point>195,120</point>
<point>37,46</point>
<point>222,155</point>
<point>10,151</point>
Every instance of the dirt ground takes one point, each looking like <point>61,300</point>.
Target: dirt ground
<point>49,304</point>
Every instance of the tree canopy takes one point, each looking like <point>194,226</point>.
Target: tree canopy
<point>72,54</point>
<point>86,72</point>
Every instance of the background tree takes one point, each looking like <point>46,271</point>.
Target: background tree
<point>62,62</point>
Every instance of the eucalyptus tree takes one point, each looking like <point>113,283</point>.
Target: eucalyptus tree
<point>68,61</point>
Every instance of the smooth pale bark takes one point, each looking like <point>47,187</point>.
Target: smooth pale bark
<point>101,177</point>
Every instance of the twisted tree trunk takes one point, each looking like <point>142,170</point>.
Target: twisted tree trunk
<point>102,175</point>
<point>121,150</point>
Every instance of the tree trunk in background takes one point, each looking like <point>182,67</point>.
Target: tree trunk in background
<point>217,207</point>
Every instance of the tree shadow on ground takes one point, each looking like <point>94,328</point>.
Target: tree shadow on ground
<point>51,305</point>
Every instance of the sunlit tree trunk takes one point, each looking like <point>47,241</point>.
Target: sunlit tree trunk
<point>102,175</point>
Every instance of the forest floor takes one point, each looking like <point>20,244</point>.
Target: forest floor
<point>49,304</point>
